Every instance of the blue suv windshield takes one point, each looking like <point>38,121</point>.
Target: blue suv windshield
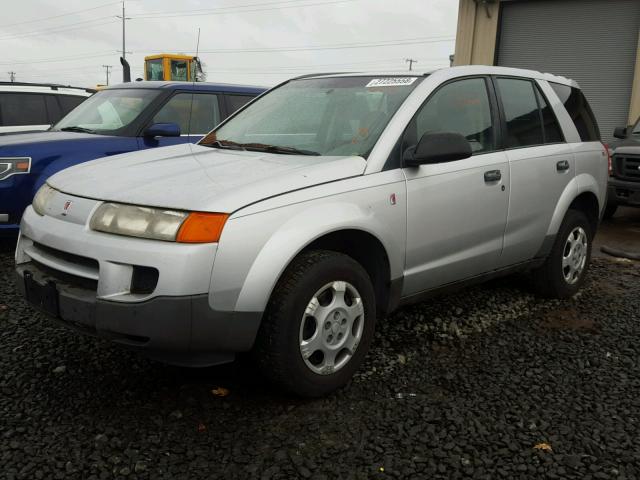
<point>317,116</point>
<point>108,111</point>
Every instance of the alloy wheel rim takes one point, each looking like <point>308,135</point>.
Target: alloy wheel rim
<point>331,327</point>
<point>574,255</point>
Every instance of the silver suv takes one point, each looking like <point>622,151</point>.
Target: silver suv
<point>319,207</point>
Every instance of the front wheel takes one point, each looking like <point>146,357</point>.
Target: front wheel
<point>565,269</point>
<point>318,325</point>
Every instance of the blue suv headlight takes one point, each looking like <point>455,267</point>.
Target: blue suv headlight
<point>14,166</point>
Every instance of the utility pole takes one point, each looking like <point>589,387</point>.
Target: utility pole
<point>124,19</point>
<point>12,76</point>
<point>410,61</point>
<point>107,67</point>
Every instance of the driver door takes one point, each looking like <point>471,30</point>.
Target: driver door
<point>456,211</point>
<point>195,114</point>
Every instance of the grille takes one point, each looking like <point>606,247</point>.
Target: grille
<point>69,257</point>
<point>69,279</point>
<point>64,266</point>
<point>627,167</point>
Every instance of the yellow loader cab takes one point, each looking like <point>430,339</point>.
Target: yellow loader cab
<point>169,67</point>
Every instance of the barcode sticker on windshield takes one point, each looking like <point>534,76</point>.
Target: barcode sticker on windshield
<point>391,82</point>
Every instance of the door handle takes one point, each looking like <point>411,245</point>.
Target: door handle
<point>562,165</point>
<point>492,176</point>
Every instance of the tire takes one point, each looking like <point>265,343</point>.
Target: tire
<point>333,279</point>
<point>610,210</point>
<point>554,279</point>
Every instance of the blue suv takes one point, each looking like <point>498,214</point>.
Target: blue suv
<point>118,119</point>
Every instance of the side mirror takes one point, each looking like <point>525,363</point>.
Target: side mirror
<point>162,130</point>
<point>620,132</point>
<point>439,147</point>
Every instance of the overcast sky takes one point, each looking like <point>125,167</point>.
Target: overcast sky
<point>259,42</point>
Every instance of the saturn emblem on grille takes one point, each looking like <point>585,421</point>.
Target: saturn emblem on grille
<point>67,206</point>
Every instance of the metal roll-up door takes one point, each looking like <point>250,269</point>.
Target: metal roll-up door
<point>591,41</point>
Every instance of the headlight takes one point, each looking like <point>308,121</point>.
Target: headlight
<point>158,223</point>
<point>43,195</point>
<point>14,166</point>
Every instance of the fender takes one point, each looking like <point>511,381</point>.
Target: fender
<point>581,183</point>
<point>294,236</point>
<point>255,250</point>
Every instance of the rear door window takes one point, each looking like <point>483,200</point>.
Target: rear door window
<point>521,113</point>
<point>550,125</point>
<point>23,109</point>
<point>579,111</point>
<point>236,102</point>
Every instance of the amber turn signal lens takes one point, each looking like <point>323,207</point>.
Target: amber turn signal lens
<point>202,228</point>
<point>22,166</point>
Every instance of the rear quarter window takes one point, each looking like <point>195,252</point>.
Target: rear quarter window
<point>579,110</point>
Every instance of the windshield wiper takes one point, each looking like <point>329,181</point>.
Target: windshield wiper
<point>76,128</point>
<point>225,144</point>
<point>262,147</point>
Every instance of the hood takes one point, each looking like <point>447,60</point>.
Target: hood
<point>30,138</point>
<point>627,150</point>
<point>631,141</point>
<point>197,178</point>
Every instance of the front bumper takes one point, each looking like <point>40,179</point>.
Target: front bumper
<point>149,295</point>
<point>178,330</point>
<point>623,192</point>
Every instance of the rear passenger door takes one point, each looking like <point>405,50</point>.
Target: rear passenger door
<point>456,211</point>
<point>541,163</point>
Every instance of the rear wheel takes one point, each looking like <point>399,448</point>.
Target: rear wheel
<point>564,271</point>
<point>318,325</point>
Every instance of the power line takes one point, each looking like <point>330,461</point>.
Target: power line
<point>235,9</point>
<point>316,66</point>
<point>60,28</point>
<point>263,6</point>
<point>384,43</point>
<point>83,56</point>
<point>389,43</point>
<point>58,16</point>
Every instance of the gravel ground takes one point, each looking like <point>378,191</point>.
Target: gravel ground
<point>487,383</point>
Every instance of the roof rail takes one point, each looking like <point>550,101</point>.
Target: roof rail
<point>309,75</point>
<point>52,86</point>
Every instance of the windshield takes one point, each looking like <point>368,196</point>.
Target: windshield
<point>317,116</point>
<point>107,110</point>
<point>154,69</point>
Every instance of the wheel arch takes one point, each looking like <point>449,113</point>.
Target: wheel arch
<point>588,203</point>
<point>366,249</point>
<point>582,193</point>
